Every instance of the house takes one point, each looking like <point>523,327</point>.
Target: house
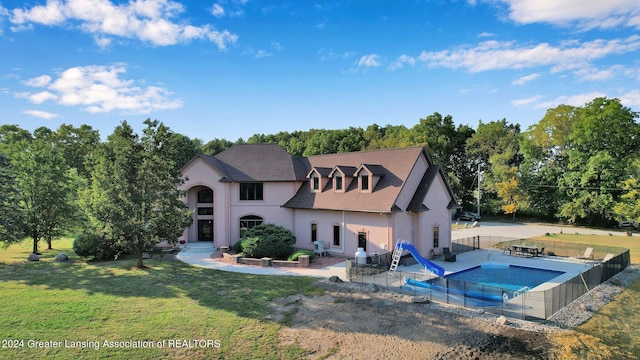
<point>369,199</point>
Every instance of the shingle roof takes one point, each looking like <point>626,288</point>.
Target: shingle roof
<point>395,165</point>
<point>257,162</point>
<point>422,190</point>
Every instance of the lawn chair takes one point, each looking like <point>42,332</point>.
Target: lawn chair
<point>448,256</point>
<point>540,252</point>
<point>588,254</point>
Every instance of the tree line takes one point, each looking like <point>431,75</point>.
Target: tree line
<point>577,165</point>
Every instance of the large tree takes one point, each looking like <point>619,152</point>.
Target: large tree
<point>11,214</point>
<point>134,195</point>
<point>545,149</point>
<point>47,189</point>
<point>604,143</point>
<point>494,148</point>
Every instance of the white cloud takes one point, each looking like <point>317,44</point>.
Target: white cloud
<point>573,100</point>
<point>401,61</point>
<point>371,60</point>
<point>276,45</point>
<point>486,34</point>
<point>146,20</point>
<point>495,55</point>
<point>3,13</point>
<point>328,54</point>
<point>39,81</point>
<point>525,79</point>
<point>100,89</point>
<point>263,54</point>
<point>584,14</point>
<point>41,114</point>
<point>594,74</point>
<point>42,96</point>
<point>217,10</point>
<point>631,99</point>
<point>527,101</point>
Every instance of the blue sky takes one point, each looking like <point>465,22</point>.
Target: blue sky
<point>233,68</point>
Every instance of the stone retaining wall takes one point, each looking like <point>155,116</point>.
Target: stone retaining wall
<point>266,262</point>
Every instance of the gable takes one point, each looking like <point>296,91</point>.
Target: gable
<point>395,166</point>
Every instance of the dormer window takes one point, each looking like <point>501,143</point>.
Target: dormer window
<point>338,182</point>
<point>318,178</point>
<point>368,177</point>
<point>364,182</point>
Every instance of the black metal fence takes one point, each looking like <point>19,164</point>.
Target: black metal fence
<point>525,304</point>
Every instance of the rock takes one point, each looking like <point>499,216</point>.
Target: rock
<point>33,257</point>
<point>61,257</point>
<point>616,282</point>
<point>586,307</point>
<point>480,311</point>
<point>419,300</point>
<point>373,288</point>
<point>335,279</point>
<point>502,320</point>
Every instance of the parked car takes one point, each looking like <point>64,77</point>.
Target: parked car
<point>467,215</point>
<point>628,224</point>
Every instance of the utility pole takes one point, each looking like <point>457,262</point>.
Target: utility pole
<point>479,179</point>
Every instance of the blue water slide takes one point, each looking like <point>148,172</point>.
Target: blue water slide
<point>434,268</point>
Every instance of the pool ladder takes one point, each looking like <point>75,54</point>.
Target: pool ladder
<point>395,259</point>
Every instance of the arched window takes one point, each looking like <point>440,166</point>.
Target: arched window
<point>247,222</point>
<point>205,196</point>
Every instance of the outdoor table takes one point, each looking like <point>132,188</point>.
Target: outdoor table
<point>525,250</point>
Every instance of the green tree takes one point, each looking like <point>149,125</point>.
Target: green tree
<point>134,196</point>
<point>11,134</point>
<point>185,149</point>
<point>495,148</point>
<point>216,146</point>
<point>604,143</point>
<point>628,207</point>
<point>545,149</point>
<point>78,146</point>
<point>47,190</point>
<point>11,214</point>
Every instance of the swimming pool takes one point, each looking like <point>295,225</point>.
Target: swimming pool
<point>493,282</point>
<point>505,276</point>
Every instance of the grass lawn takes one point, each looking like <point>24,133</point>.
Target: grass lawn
<point>599,243</point>
<point>78,301</point>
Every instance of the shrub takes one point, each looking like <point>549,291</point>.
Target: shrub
<point>297,253</point>
<point>268,240</point>
<point>237,247</point>
<point>87,245</point>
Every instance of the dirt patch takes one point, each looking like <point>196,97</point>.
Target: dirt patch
<point>346,322</point>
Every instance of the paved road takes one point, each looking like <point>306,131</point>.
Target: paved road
<point>524,230</point>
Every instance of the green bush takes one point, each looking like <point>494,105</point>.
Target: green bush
<point>87,245</point>
<point>237,247</point>
<point>268,240</point>
<point>297,253</point>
